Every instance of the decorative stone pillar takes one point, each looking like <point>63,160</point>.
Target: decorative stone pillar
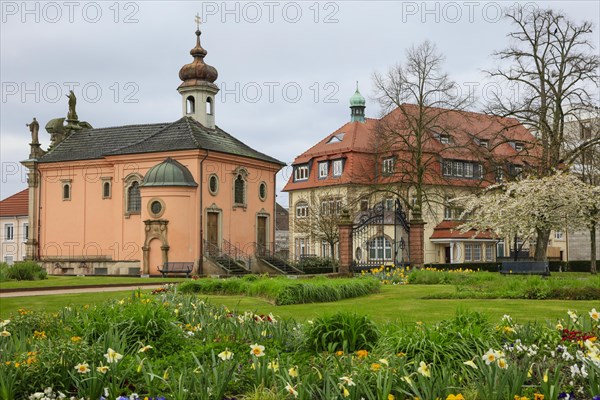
<point>33,208</point>
<point>416,239</point>
<point>345,228</point>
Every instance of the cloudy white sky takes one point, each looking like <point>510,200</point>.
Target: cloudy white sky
<point>286,69</point>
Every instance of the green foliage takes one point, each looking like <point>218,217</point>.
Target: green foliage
<point>285,291</point>
<point>343,331</point>
<point>4,272</point>
<point>317,265</point>
<point>24,271</point>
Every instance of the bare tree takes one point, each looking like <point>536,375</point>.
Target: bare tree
<point>323,216</point>
<point>552,63</point>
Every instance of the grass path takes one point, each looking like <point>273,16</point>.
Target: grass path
<point>393,303</point>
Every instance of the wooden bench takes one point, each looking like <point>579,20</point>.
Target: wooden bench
<point>525,268</point>
<point>176,268</point>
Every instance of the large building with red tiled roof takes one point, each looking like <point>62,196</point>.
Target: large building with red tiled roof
<point>15,227</point>
<point>369,161</point>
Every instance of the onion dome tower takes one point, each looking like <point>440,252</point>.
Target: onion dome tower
<point>357,106</point>
<point>198,89</point>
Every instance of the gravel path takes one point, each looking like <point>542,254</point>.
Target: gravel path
<point>45,292</point>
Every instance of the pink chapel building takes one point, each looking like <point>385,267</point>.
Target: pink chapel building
<point>128,199</point>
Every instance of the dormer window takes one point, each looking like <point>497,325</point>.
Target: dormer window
<point>323,169</point>
<point>484,143</point>
<point>338,166</point>
<point>388,166</point>
<point>336,138</point>
<point>301,173</point>
<point>444,138</point>
<point>518,146</point>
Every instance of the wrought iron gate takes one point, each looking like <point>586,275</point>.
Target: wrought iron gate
<point>378,237</point>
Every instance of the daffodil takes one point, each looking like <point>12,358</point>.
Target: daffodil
<point>595,315</point>
<point>490,356</point>
<point>257,350</point>
<point>471,364</point>
<point>424,369</point>
<point>145,349</point>
<point>225,355</point>
<point>5,333</point>
<point>293,372</point>
<point>502,363</point>
<point>273,365</point>
<point>112,356</point>
<point>346,380</point>
<point>82,368</point>
<point>103,369</point>
<point>290,389</point>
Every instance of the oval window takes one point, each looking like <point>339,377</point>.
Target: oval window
<point>213,184</point>
<point>156,207</point>
<point>262,191</point>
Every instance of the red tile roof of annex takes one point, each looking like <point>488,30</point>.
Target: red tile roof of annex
<point>15,205</point>
<point>358,150</point>
<point>449,230</point>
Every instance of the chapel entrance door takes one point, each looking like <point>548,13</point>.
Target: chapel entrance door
<point>212,232</point>
<point>261,233</point>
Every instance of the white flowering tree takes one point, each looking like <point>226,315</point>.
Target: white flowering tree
<point>530,206</point>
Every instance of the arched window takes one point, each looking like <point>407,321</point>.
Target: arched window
<point>106,190</point>
<point>380,248</point>
<point>239,195</point>
<point>134,199</point>
<point>66,191</point>
<point>209,106</point>
<point>190,105</point>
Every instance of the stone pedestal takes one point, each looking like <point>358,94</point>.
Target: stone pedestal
<point>36,151</point>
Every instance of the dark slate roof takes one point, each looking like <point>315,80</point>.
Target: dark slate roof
<point>183,134</point>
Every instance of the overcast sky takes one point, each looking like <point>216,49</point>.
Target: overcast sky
<point>286,69</point>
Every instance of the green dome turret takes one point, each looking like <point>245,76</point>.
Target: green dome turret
<point>357,105</point>
<point>357,99</point>
<point>169,173</point>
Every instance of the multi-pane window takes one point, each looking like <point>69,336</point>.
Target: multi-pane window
<point>461,169</point>
<point>558,235</point>
<point>477,252</point>
<point>325,249</point>
<point>389,204</point>
<point>302,210</point>
<point>388,166</point>
<point>468,252</point>
<point>380,248</point>
<point>444,139</point>
<point>331,206</point>
<point>499,174</point>
<point>489,252</point>
<point>515,170</point>
<point>106,189</point>
<point>364,204</point>
<point>518,146</point>
<point>301,173</point>
<point>9,232</point>
<point>585,131</point>
<point>323,169</point>
<point>134,198</point>
<point>301,247</point>
<point>25,231</point>
<point>239,190</point>
<point>66,191</point>
<point>450,212</point>
<point>484,143</point>
<point>338,167</point>
<point>500,249</point>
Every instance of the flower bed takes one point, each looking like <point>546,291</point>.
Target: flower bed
<point>173,346</point>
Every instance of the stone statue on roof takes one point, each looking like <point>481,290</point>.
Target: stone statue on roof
<point>72,115</point>
<point>34,128</point>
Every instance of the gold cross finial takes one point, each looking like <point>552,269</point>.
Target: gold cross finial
<point>197,19</point>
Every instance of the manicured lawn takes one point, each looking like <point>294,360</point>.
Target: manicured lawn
<point>393,303</point>
<point>54,281</point>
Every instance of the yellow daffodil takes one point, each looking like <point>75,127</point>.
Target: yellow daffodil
<point>112,356</point>
<point>103,369</point>
<point>502,363</point>
<point>375,367</point>
<point>145,349</point>
<point>82,368</point>
<point>5,333</point>
<point>257,350</point>
<point>424,369</point>
<point>595,315</point>
<point>391,397</point>
<point>293,372</point>
<point>538,396</point>
<point>225,355</point>
<point>273,365</point>
<point>362,353</point>
<point>290,389</point>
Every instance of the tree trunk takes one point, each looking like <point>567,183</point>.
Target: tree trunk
<point>541,244</point>
<point>593,252</point>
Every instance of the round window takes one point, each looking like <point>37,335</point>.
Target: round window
<point>213,184</point>
<point>156,207</point>
<point>262,191</point>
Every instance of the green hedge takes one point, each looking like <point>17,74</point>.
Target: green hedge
<point>555,266</point>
